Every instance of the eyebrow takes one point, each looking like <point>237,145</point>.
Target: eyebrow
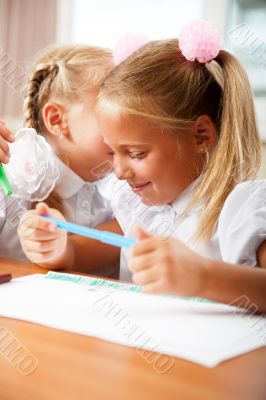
<point>132,144</point>
<point>128,144</point>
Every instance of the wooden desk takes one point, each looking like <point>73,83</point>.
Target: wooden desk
<point>75,367</point>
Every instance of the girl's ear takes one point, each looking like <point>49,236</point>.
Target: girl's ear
<point>54,118</point>
<point>205,133</point>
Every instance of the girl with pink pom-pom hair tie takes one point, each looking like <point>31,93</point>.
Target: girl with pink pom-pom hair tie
<point>178,116</point>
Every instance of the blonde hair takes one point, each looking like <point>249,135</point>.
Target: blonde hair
<point>65,74</point>
<point>159,84</point>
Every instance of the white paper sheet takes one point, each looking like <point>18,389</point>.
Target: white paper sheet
<point>205,333</point>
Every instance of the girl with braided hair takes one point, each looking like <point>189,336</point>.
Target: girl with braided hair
<point>59,104</point>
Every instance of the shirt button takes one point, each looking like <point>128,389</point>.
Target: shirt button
<point>89,188</point>
<point>85,204</point>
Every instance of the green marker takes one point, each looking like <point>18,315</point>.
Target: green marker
<point>5,182</point>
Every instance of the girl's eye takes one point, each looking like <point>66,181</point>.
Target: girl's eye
<point>139,156</point>
<point>111,153</point>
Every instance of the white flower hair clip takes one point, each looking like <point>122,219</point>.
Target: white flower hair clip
<point>32,169</point>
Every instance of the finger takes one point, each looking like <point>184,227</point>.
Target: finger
<point>146,277</point>
<point>139,263</point>
<point>31,222</point>
<point>3,157</point>
<point>39,235</point>
<point>4,146</point>
<point>144,246</point>
<point>153,288</point>
<point>141,233</point>
<point>43,209</point>
<point>6,133</point>
<point>41,247</point>
<point>40,258</point>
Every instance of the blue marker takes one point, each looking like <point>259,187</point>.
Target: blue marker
<point>103,236</point>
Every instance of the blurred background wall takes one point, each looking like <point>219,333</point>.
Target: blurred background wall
<point>28,26</point>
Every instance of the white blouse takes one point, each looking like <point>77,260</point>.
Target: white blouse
<point>165,220</point>
<point>241,226</point>
<point>242,223</point>
<point>81,200</point>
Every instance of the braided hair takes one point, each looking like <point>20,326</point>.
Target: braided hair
<point>37,93</point>
<point>64,74</point>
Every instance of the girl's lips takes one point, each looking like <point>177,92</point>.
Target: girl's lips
<point>138,188</point>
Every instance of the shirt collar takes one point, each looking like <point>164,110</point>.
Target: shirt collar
<point>182,201</point>
<point>69,182</point>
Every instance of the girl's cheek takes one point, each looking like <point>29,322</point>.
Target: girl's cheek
<point>144,166</point>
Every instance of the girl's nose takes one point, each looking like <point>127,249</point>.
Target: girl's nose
<point>122,171</point>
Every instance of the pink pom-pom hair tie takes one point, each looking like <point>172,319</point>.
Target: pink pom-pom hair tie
<point>127,45</point>
<point>200,40</point>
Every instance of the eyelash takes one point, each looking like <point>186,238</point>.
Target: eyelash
<point>138,156</point>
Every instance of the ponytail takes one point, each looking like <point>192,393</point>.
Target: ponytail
<point>237,155</point>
